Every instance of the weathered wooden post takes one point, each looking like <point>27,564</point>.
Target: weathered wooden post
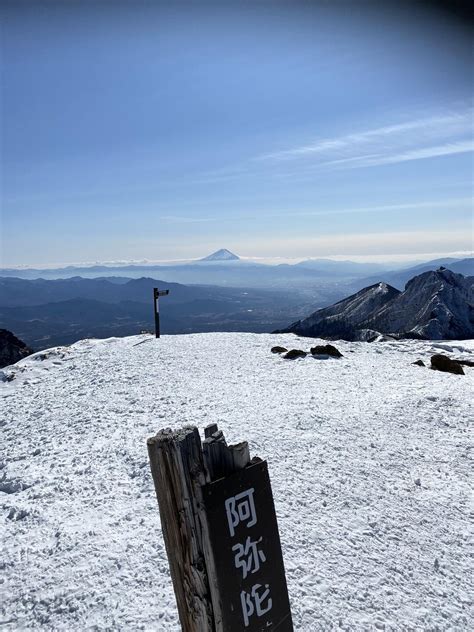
<point>220,531</point>
<point>156,305</point>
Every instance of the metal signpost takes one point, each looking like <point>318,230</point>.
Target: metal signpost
<point>156,300</point>
<point>221,534</point>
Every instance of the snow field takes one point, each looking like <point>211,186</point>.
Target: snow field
<point>368,457</point>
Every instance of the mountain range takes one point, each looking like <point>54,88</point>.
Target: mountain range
<point>399,278</point>
<point>226,269</point>
<point>45,312</point>
<point>434,305</point>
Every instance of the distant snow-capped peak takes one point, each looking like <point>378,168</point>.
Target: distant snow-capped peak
<point>221,255</point>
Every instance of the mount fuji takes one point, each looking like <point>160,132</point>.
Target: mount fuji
<point>221,255</point>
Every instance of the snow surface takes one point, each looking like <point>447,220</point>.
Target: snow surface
<point>368,456</point>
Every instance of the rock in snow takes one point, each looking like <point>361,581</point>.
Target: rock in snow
<point>329,350</point>
<point>293,354</point>
<point>440,362</point>
<point>346,442</point>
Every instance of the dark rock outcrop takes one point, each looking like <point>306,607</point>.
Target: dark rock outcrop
<point>440,362</point>
<point>278,349</point>
<point>11,348</point>
<point>328,350</point>
<point>295,353</point>
<point>419,363</point>
<point>465,362</point>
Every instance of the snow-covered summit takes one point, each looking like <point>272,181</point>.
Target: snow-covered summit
<point>221,255</point>
<point>368,457</point>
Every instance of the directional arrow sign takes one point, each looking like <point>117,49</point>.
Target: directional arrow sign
<point>156,295</point>
<point>160,292</point>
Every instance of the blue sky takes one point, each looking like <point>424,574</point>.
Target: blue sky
<point>156,131</point>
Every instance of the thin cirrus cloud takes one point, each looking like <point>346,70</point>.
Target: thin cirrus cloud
<point>373,160</point>
<point>179,219</point>
<point>443,134</point>
<point>420,138</point>
<point>448,204</point>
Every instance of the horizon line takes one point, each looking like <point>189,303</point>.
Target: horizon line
<point>122,263</point>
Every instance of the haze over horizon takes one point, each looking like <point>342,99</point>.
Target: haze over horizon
<point>398,261</point>
<point>278,130</point>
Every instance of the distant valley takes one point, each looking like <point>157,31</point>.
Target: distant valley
<point>46,313</point>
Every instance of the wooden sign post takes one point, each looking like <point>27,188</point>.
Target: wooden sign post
<point>221,534</point>
<point>156,302</point>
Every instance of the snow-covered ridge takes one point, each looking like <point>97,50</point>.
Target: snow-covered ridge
<point>368,457</point>
<point>434,305</point>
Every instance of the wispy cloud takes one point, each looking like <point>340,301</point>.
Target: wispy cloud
<point>447,149</point>
<point>389,139</point>
<point>439,134</point>
<point>178,219</point>
<point>259,214</point>
<point>447,204</point>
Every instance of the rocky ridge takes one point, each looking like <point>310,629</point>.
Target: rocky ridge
<point>435,305</point>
